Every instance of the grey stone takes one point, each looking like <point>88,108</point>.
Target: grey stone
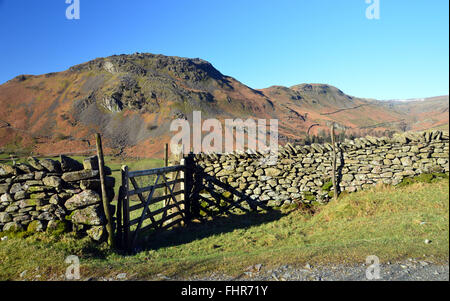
<point>35,163</point>
<point>13,227</point>
<point>51,165</point>
<point>96,232</point>
<point>52,181</point>
<point>79,175</point>
<point>5,217</point>
<point>7,170</point>
<point>20,195</point>
<point>4,188</point>
<point>6,198</point>
<point>16,187</point>
<point>92,216</point>
<point>272,172</point>
<point>406,161</point>
<point>83,199</point>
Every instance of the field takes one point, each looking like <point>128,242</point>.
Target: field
<point>389,222</point>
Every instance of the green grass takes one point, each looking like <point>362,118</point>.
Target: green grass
<point>389,222</point>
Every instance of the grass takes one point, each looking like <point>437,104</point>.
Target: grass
<point>389,222</point>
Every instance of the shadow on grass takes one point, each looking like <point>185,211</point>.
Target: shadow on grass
<point>199,230</point>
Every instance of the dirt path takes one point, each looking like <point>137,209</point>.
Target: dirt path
<point>408,270</point>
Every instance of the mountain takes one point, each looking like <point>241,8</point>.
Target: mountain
<point>132,99</point>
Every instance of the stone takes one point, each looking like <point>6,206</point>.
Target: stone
<point>16,188</point>
<point>24,168</point>
<point>55,199</point>
<point>259,172</point>
<point>91,163</point>
<point>387,175</point>
<point>361,177</point>
<point>57,227</point>
<point>5,217</point>
<point>272,182</point>
<point>6,198</point>
<point>292,190</point>
<point>39,196</point>
<point>68,164</point>
<point>387,162</point>
<point>83,199</point>
<point>34,183</point>
<point>20,195</point>
<point>274,203</point>
<point>7,170</point>
<point>94,184</point>
<point>60,212</point>
<point>38,175</point>
<point>46,208</point>
<point>97,233</point>
<point>36,226</point>
<point>47,216</point>
<point>406,161</point>
<point>52,181</point>
<point>13,227</point>
<point>25,177</point>
<point>91,216</point>
<point>51,165</point>
<point>79,175</point>
<point>272,172</point>
<point>308,160</point>
<point>396,161</point>
<point>21,218</point>
<point>35,163</point>
<point>30,203</point>
<point>347,177</point>
<point>12,208</point>
<point>37,189</point>
<point>4,188</point>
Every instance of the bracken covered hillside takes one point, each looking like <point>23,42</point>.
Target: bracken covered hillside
<point>131,100</point>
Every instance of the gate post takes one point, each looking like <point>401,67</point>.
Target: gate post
<point>125,209</point>
<point>188,180</point>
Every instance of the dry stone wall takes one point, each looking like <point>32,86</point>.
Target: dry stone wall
<point>304,172</point>
<point>53,196</point>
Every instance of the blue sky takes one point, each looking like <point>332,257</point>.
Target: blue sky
<point>404,54</point>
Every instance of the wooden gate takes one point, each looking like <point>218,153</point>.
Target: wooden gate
<point>157,199</point>
<point>150,201</point>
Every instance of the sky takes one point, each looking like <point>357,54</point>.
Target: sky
<point>402,54</point>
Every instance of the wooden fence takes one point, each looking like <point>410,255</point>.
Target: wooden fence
<point>185,193</point>
<point>141,211</point>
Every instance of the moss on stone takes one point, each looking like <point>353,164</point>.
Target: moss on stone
<point>227,194</point>
<point>327,185</point>
<point>423,178</point>
<point>57,228</point>
<point>309,196</point>
<point>69,217</point>
<point>33,227</point>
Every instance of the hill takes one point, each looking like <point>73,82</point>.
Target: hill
<point>131,100</point>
